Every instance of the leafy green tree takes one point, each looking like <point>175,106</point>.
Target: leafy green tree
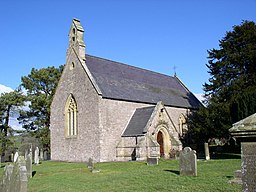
<point>40,85</point>
<point>9,104</point>
<point>231,89</point>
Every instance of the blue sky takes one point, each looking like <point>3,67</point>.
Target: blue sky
<point>151,34</point>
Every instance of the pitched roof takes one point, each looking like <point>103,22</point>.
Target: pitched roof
<point>124,82</point>
<point>138,122</point>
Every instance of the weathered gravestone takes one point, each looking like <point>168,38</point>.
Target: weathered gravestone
<point>152,161</point>
<point>36,156</point>
<point>91,166</point>
<point>16,155</point>
<point>206,151</point>
<point>29,161</point>
<point>245,132</point>
<point>41,154</point>
<point>15,177</point>
<point>188,162</point>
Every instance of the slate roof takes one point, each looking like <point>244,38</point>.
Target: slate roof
<point>138,122</point>
<point>124,82</point>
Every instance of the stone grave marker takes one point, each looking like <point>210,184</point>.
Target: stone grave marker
<point>29,161</point>
<point>188,162</point>
<point>152,161</point>
<point>206,151</point>
<point>12,158</point>
<point>41,154</point>
<point>15,177</point>
<point>46,155</point>
<point>15,158</point>
<point>91,166</point>
<point>36,156</point>
<point>245,132</point>
<point>22,178</point>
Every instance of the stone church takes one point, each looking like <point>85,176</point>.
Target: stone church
<point>110,111</point>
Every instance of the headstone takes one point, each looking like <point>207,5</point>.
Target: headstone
<point>245,132</point>
<point>46,155</point>
<point>90,164</point>
<point>152,161</point>
<point>12,158</point>
<point>29,162</point>
<point>15,158</point>
<point>41,154</point>
<point>248,158</point>
<point>188,162</point>
<point>15,177</point>
<point>206,151</point>
<point>36,156</point>
<point>22,178</point>
<point>26,153</point>
<point>8,170</point>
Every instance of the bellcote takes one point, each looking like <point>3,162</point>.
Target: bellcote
<point>76,39</point>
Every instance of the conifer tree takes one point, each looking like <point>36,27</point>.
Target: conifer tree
<point>40,86</point>
<point>231,89</point>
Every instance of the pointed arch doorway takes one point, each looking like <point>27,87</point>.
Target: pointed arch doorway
<point>160,141</point>
<point>163,139</point>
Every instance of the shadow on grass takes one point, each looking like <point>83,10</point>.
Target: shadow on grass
<point>172,171</point>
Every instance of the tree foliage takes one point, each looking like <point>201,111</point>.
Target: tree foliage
<point>9,104</point>
<point>40,86</point>
<point>231,89</point>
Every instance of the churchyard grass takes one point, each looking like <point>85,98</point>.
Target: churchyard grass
<point>212,176</point>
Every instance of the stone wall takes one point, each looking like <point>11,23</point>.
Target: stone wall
<point>75,81</point>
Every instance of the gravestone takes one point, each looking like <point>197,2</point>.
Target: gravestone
<point>188,162</point>
<point>29,161</point>
<point>8,169</point>
<point>206,151</point>
<point>36,156</point>
<point>22,178</point>
<point>41,154</point>
<point>152,161</point>
<point>15,177</point>
<point>26,153</point>
<point>46,155</point>
<point>15,158</point>
<point>12,160</point>
<point>245,132</point>
<point>90,164</point>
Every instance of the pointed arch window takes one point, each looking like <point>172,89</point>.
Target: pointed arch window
<point>71,117</point>
<point>183,128</point>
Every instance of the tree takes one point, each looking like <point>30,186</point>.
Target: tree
<point>232,86</point>
<point>40,86</point>
<point>9,104</point>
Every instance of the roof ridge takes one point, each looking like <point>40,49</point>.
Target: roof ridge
<point>135,67</point>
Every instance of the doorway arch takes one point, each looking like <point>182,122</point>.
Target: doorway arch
<point>163,139</point>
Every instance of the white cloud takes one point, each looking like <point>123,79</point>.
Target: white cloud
<point>5,89</point>
<point>200,97</point>
<point>14,123</point>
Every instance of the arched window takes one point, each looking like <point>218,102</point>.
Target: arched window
<point>182,124</point>
<point>71,117</point>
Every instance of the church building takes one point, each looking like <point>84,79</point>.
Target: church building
<point>110,111</point>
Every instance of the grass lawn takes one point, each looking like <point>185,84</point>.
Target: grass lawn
<point>213,175</point>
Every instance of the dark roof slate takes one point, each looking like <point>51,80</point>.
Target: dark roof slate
<point>125,82</point>
<point>138,122</point>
